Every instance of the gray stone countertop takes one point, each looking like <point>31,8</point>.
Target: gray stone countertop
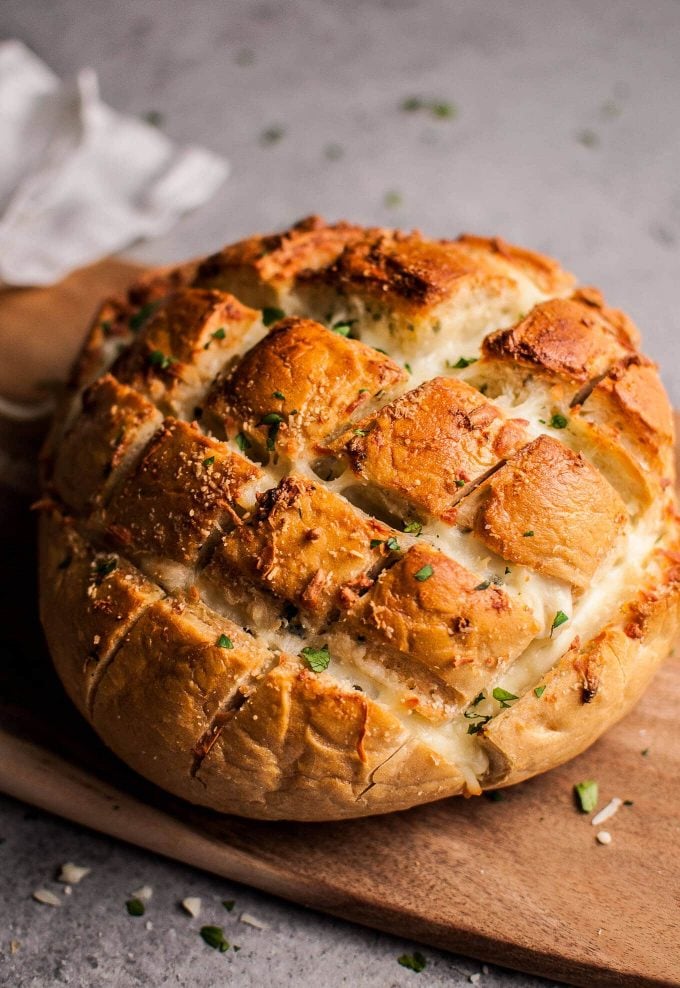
<point>561,132</point>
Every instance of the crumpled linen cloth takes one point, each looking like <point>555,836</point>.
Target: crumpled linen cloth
<point>78,180</point>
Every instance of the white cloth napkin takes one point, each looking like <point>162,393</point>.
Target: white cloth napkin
<point>78,180</point>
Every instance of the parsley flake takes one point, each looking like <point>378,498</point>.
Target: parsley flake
<point>243,442</point>
<point>343,327</point>
<point>135,907</point>
<point>559,421</point>
<point>219,334</point>
<point>161,360</point>
<point>375,543</point>
<point>560,618</point>
<point>478,699</point>
<point>105,568</point>
<point>139,318</point>
<point>503,697</point>
<point>414,962</point>
<point>208,461</point>
<point>539,691</point>
<point>360,432</point>
<point>424,573</point>
<point>271,315</point>
<point>277,394</point>
<point>587,795</point>
<point>224,642</point>
<point>529,534</point>
<point>460,483</point>
<point>393,545</point>
<point>228,904</point>
<point>214,937</point>
<point>317,659</point>
<point>408,368</point>
<point>271,418</point>
<point>461,363</point>
<point>272,135</point>
<point>413,528</point>
<point>478,726</point>
<point>484,585</point>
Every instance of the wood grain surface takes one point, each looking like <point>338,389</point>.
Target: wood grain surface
<point>520,881</point>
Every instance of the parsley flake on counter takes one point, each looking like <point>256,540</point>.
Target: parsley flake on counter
<point>214,937</point>
<point>135,907</point>
<point>413,528</point>
<point>559,421</point>
<point>208,461</point>
<point>224,641</point>
<point>272,135</point>
<point>503,697</point>
<point>424,573</point>
<point>587,795</point>
<point>228,904</point>
<point>243,442</point>
<point>161,360</point>
<point>414,962</point>
<point>411,104</point>
<point>317,659</point>
<point>560,618</point>
<point>539,691</point>
<point>271,315</point>
<point>461,363</point>
<point>392,199</point>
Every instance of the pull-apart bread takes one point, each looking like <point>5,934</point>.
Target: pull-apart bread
<point>341,520</point>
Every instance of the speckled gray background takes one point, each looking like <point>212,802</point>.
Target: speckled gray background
<point>566,138</point>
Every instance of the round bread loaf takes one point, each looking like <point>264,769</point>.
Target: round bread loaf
<point>341,520</point>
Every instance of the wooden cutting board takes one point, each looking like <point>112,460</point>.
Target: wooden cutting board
<point>519,882</point>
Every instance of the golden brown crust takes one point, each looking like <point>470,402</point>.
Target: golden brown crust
<point>323,633</point>
<point>182,489</point>
<point>549,509</point>
<point>427,446</point>
<point>299,384</point>
<point>428,610</point>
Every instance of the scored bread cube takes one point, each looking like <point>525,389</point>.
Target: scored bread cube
<point>425,447</point>
<point>182,346</point>
<point>262,270</point>
<point>434,622</point>
<point>185,487</point>
<point>299,384</point>
<point>92,598</point>
<point>113,424</point>
<point>306,545</point>
<point>547,508</point>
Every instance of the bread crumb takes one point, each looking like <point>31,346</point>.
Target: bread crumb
<point>72,873</point>
<point>192,905</point>
<point>46,897</point>
<point>143,893</point>
<point>475,979</point>
<point>251,920</point>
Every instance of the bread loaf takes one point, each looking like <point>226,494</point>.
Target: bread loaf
<point>342,520</point>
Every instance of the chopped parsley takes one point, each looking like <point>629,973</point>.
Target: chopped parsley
<point>277,394</point>
<point>587,795</point>
<point>154,118</point>
<point>219,334</point>
<point>243,442</point>
<point>214,937</point>
<point>460,483</point>
<point>408,368</point>
<point>478,725</point>
<point>539,691</point>
<point>343,327</point>
<point>360,432</point>
<point>484,585</point>
<point>424,573</point>
<point>135,907</point>
<point>66,562</point>
<point>271,418</point>
<point>161,360</point>
<point>139,318</point>
<point>414,962</point>
<point>560,618</point>
<point>105,568</point>
<point>392,545</point>
<point>503,697</point>
<point>444,111</point>
<point>228,904</point>
<point>412,103</point>
<point>392,199</point>
<point>272,135</point>
<point>208,461</point>
<point>529,534</point>
<point>478,699</point>
<point>441,109</point>
<point>495,796</point>
<point>317,659</point>
<point>559,421</point>
<point>461,363</point>
<point>413,528</point>
<point>224,642</point>
<point>271,315</point>
<point>375,543</point>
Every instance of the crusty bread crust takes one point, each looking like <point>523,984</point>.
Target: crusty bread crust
<point>414,539</point>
